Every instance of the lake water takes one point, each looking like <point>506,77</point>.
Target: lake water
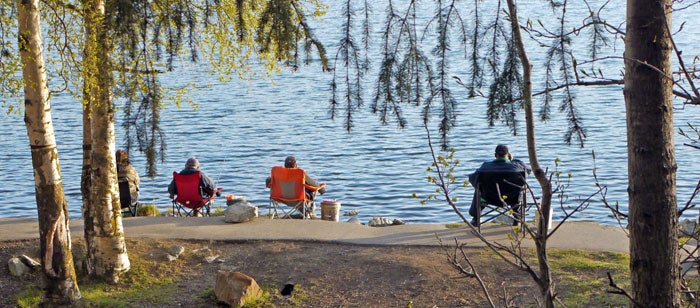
<point>241,129</point>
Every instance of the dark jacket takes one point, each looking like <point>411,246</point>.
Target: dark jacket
<point>499,164</point>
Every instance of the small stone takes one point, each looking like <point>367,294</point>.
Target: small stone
<point>203,249</point>
<point>351,213</point>
<point>33,264</point>
<point>354,220</point>
<point>379,222</point>
<point>176,250</point>
<point>210,259</point>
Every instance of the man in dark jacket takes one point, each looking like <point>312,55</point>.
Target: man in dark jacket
<point>504,162</point>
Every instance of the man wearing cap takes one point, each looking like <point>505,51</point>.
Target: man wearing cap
<point>291,162</point>
<point>504,162</point>
<point>206,185</point>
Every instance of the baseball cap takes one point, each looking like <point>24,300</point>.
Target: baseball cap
<point>502,150</point>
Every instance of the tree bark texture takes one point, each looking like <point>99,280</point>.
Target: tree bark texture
<point>651,159</point>
<point>544,280</point>
<point>104,232</point>
<point>60,286</point>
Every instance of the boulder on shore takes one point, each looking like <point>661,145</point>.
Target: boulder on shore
<point>236,289</point>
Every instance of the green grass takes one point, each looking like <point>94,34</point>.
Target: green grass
<point>141,284</point>
<point>218,211</point>
<point>148,210</point>
<point>455,225</point>
<point>581,276</point>
<point>29,297</point>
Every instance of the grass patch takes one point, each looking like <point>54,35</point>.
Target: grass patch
<point>141,284</point>
<point>217,211</point>
<point>30,297</point>
<point>455,225</point>
<point>581,276</point>
<point>148,210</point>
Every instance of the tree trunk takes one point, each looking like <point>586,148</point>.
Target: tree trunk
<point>544,280</point>
<point>104,233</point>
<point>60,286</point>
<point>651,161</point>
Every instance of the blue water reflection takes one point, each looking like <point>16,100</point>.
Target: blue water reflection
<point>242,128</point>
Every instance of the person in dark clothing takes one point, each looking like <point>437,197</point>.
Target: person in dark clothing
<point>504,162</point>
<point>206,185</point>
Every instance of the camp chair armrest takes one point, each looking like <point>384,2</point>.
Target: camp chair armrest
<point>314,188</point>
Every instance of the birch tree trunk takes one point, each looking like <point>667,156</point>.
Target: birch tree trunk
<point>651,159</point>
<point>60,286</point>
<point>104,233</point>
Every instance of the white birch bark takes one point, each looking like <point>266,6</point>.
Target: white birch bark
<point>60,286</point>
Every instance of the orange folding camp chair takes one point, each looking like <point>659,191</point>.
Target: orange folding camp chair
<point>189,198</point>
<point>287,186</point>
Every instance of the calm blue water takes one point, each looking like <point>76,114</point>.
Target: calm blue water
<point>243,128</point>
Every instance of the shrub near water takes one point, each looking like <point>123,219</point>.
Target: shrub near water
<point>148,210</point>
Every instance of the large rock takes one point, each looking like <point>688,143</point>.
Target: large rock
<point>240,212</point>
<point>236,289</point>
<point>17,267</point>
<point>377,221</point>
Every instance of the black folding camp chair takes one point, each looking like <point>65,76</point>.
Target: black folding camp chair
<point>500,193</point>
<point>128,204</point>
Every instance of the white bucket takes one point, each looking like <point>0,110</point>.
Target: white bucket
<point>330,210</point>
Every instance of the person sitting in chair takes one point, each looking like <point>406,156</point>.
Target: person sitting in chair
<point>291,162</point>
<point>127,173</point>
<point>206,185</point>
<point>504,162</point>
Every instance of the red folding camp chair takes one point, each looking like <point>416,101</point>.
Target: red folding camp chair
<point>287,186</point>
<point>189,200</point>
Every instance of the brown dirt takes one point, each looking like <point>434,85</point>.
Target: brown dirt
<point>324,274</point>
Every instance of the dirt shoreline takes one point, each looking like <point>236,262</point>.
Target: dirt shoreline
<point>589,236</point>
<point>333,264</point>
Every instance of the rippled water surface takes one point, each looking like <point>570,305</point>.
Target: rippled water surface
<point>241,129</point>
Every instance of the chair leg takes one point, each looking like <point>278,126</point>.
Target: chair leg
<point>134,210</point>
<point>207,207</point>
<point>477,218</point>
<point>522,210</point>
